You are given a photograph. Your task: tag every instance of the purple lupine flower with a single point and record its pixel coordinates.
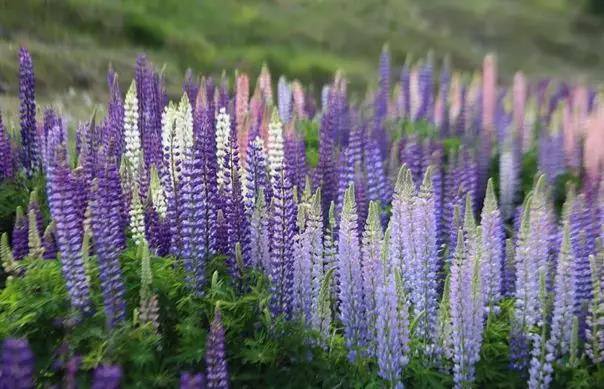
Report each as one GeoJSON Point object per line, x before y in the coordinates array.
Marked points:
{"type": "Point", "coordinates": [67, 210]}
{"type": "Point", "coordinates": [17, 364]}
{"type": "Point", "coordinates": [594, 334]}
{"type": "Point", "coordinates": [114, 121]}
{"type": "Point", "coordinates": [256, 174]}
{"type": "Point", "coordinates": [492, 248]}
{"type": "Point", "coordinates": [260, 234]}
{"type": "Point", "coordinates": [391, 330]}
{"type": "Point", "coordinates": [107, 377]}
{"type": "Point", "coordinates": [192, 381]}
{"type": "Point", "coordinates": [540, 366]}
{"type": "Point", "coordinates": [20, 238]}
{"type": "Point", "coordinates": [423, 259]}
{"type": "Point", "coordinates": [29, 139]}
{"type": "Point", "coordinates": [49, 242]}
{"type": "Point", "coordinates": [371, 265]}
{"type": "Point", "coordinates": [350, 282]}
{"type": "Point", "coordinates": [380, 103]}
{"type": "Point", "coordinates": [509, 274]}
{"type": "Point", "coordinates": [6, 150]}
{"type": "Point", "coordinates": [326, 168]}
{"type": "Point", "coordinates": [283, 223]}
{"type": "Point", "coordinates": [445, 81]}
{"type": "Point", "coordinates": [532, 259]}
{"type": "Point", "coordinates": [106, 230]}
{"type": "Point", "coordinates": [466, 303]}
{"type": "Point", "coordinates": [583, 244]}
{"type": "Point", "coordinates": [150, 107]}
{"type": "Point", "coordinates": [405, 93]}
{"type": "Point", "coordinates": [551, 155]}
{"type": "Point", "coordinates": [425, 85]}
{"type": "Point", "coordinates": [295, 159]}
{"type": "Point", "coordinates": [190, 86]}
{"type": "Point", "coordinates": [558, 344]}
{"type": "Point", "coordinates": [378, 186]}
{"type": "Point", "coordinates": [303, 263]}
{"type": "Point", "coordinates": [509, 175]}
{"type": "Point", "coordinates": [284, 100]}
{"type": "Point", "coordinates": [346, 176]}
{"type": "Point", "coordinates": [157, 231]}
{"type": "Point", "coordinates": [400, 221]}
{"type": "Point", "coordinates": [411, 154]}
{"type": "Point", "coordinates": [217, 373]}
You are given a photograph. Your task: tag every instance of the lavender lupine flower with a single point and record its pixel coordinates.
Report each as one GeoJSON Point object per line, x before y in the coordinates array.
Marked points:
{"type": "Point", "coordinates": [295, 163]}
{"type": "Point", "coordinates": [492, 246]}
{"type": "Point", "coordinates": [326, 168]}
{"type": "Point", "coordinates": [6, 150]}
{"type": "Point", "coordinates": [217, 374]}
{"type": "Point", "coordinates": [157, 228]}
{"type": "Point", "coordinates": [283, 222]}
{"type": "Point", "coordinates": [558, 344]}
{"type": "Point", "coordinates": [107, 377]}
{"type": "Point", "coordinates": [302, 271]}
{"type": "Point", "coordinates": [445, 81]}
{"type": "Point", "coordinates": [49, 242]}
{"type": "Point", "coordinates": [422, 257]}
{"type": "Point", "coordinates": [405, 93]}
{"type": "Point", "coordinates": [192, 381]}
{"type": "Point", "coordinates": [106, 230]}
{"type": "Point", "coordinates": [371, 264]}
{"type": "Point", "coordinates": [29, 138]}
{"type": "Point", "coordinates": [425, 109]}
{"type": "Point", "coordinates": [284, 95]}
{"type": "Point", "coordinates": [540, 367]}
{"type": "Point", "coordinates": [149, 108]}
{"type": "Point", "coordinates": [400, 221]}
{"type": "Point", "coordinates": [467, 304]}
{"type": "Point", "coordinates": [256, 177]}
{"type": "Point", "coordinates": [114, 121]}
{"type": "Point", "coordinates": [350, 282]}
{"type": "Point", "coordinates": [190, 86]}
{"type": "Point", "coordinates": [508, 177]}
{"type": "Point", "coordinates": [378, 187]}
{"type": "Point", "coordinates": [260, 234]}
{"type": "Point", "coordinates": [17, 364]}
{"type": "Point", "coordinates": [381, 103]}
{"type": "Point", "coordinates": [34, 240]}
{"type": "Point", "coordinates": [66, 208]}
{"type": "Point", "coordinates": [346, 176]}
{"type": "Point", "coordinates": [149, 305]}
{"type": "Point", "coordinates": [20, 236]}
{"type": "Point", "coordinates": [509, 273]}
{"type": "Point", "coordinates": [594, 334]}
{"type": "Point", "coordinates": [532, 260]}
{"type": "Point", "coordinates": [551, 155]}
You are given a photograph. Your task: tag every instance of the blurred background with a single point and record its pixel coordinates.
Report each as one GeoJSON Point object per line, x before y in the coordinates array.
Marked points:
{"type": "Point", "coordinates": [73, 41]}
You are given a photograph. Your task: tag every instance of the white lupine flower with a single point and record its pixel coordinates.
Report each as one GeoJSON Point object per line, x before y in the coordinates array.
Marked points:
{"type": "Point", "coordinates": [223, 133]}
{"type": "Point", "coordinates": [169, 142]}
{"type": "Point", "coordinates": [158, 196]}
{"type": "Point", "coordinates": [137, 220]}
{"type": "Point", "coordinates": [184, 125]}
{"type": "Point", "coordinates": [275, 146]}
{"type": "Point", "coordinates": [133, 154]}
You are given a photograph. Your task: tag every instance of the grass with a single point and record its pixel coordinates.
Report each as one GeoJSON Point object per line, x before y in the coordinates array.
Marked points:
{"type": "Point", "coordinates": [73, 41]}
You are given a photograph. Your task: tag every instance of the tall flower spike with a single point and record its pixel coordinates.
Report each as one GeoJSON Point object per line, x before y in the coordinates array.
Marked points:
{"type": "Point", "coordinates": [493, 250]}
{"type": "Point", "coordinates": [36, 250]}
{"type": "Point", "coordinates": [260, 234]}
{"type": "Point", "coordinates": [29, 138]}
{"type": "Point", "coordinates": [255, 175]}
{"type": "Point", "coordinates": [223, 133]}
{"type": "Point", "coordinates": [6, 256]}
{"type": "Point", "coordinates": [107, 377]}
{"type": "Point", "coordinates": [284, 95]}
{"type": "Point", "coordinates": [106, 231]}
{"type": "Point", "coordinates": [137, 219]}
{"type": "Point", "coordinates": [217, 373]}
{"type": "Point", "coordinates": [558, 344]}
{"type": "Point", "coordinates": [133, 157]}
{"type": "Point", "coordinates": [49, 242]}
{"type": "Point", "coordinates": [594, 335]}
{"type": "Point", "coordinates": [20, 235]}
{"type": "Point", "coordinates": [372, 242]}
{"type": "Point", "coordinates": [283, 222]}
{"type": "Point", "coordinates": [17, 363]}
{"type": "Point", "coordinates": [350, 282]}
{"type": "Point", "coordinates": [6, 150]}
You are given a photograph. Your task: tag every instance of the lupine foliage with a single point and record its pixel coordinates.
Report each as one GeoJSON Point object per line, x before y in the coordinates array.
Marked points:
{"type": "Point", "coordinates": [416, 238]}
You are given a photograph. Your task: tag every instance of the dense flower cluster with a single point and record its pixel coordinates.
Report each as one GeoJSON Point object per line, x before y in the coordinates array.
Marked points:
{"type": "Point", "coordinates": [397, 239]}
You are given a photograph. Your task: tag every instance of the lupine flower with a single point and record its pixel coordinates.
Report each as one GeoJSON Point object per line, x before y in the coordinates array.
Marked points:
{"type": "Point", "coordinates": [531, 259]}
{"type": "Point", "coordinates": [29, 139]}
{"type": "Point", "coordinates": [20, 236]}
{"type": "Point", "coordinates": [283, 222]}
{"type": "Point", "coordinates": [6, 150]}
{"type": "Point", "coordinates": [16, 365]}
{"type": "Point", "coordinates": [114, 121]}
{"type": "Point", "coordinates": [66, 208]}
{"type": "Point", "coordinates": [508, 177]}
{"type": "Point", "coordinates": [260, 234]}
{"type": "Point", "coordinates": [107, 377]}
{"type": "Point", "coordinates": [192, 381]}
{"type": "Point", "coordinates": [133, 157]}
{"type": "Point", "coordinates": [372, 242]}
{"type": "Point", "coordinates": [540, 367]}
{"type": "Point", "coordinates": [33, 237]}
{"type": "Point", "coordinates": [558, 343]}
{"type": "Point", "coordinates": [350, 288]}
{"type": "Point", "coordinates": [326, 168]}
{"type": "Point", "coordinates": [594, 335]}
{"type": "Point", "coordinates": [405, 94]}
{"type": "Point", "coordinates": [284, 102]}
{"type": "Point", "coordinates": [137, 219]}
{"type": "Point", "coordinates": [295, 163]}
{"type": "Point", "coordinates": [217, 373]}
{"type": "Point", "coordinates": [106, 230]}
{"type": "Point", "coordinates": [49, 242]}
{"type": "Point", "coordinates": [6, 256]}
{"type": "Point", "coordinates": [492, 246]}
{"type": "Point", "coordinates": [298, 97]}
{"type": "Point", "coordinates": [425, 86]}
{"type": "Point", "coordinates": [378, 187]}
{"type": "Point", "coordinates": [255, 175]}
{"type": "Point", "coordinates": [381, 102]}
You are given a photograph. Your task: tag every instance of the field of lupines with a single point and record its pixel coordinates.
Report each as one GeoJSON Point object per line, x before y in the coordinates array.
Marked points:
{"type": "Point", "coordinates": [444, 231]}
